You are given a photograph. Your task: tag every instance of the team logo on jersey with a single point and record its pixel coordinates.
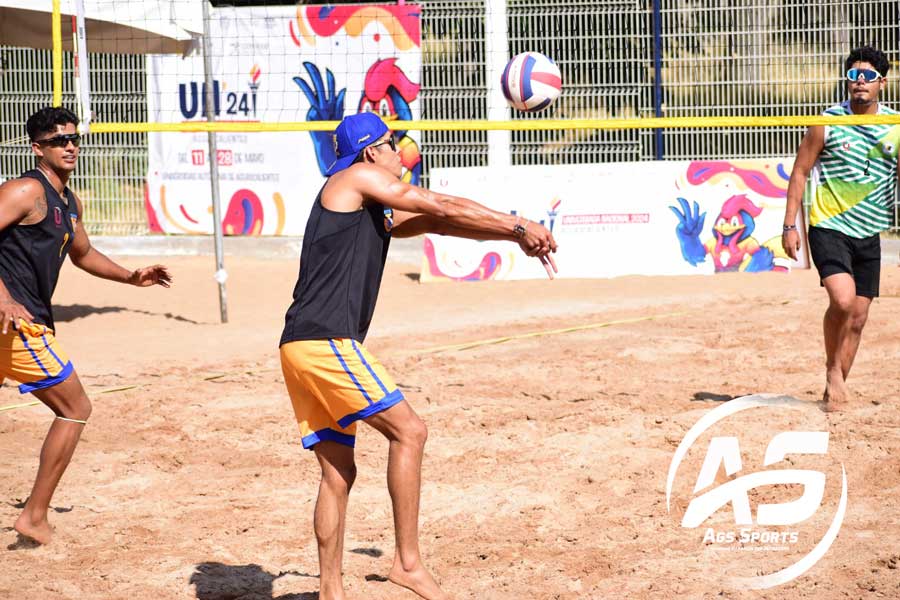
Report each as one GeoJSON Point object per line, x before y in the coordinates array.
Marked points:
{"type": "Point", "coordinates": [388, 219]}
{"type": "Point", "coordinates": [57, 216]}
{"type": "Point", "coordinates": [846, 146]}
{"type": "Point", "coordinates": [74, 219]}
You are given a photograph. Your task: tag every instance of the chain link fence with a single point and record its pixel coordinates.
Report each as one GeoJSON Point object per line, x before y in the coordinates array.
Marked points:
{"type": "Point", "coordinates": [712, 57]}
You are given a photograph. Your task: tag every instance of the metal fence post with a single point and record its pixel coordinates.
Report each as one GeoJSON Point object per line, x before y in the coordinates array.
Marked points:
{"type": "Point", "coordinates": [657, 76]}
{"type": "Point", "coordinates": [221, 275]}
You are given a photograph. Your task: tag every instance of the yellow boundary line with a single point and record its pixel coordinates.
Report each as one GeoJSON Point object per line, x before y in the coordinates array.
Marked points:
{"type": "Point", "coordinates": [500, 340]}
{"type": "Point", "coordinates": [106, 391]}
{"type": "Point", "coordinates": [14, 406]}
{"type": "Point", "coordinates": [518, 125]}
{"type": "Point", "coordinates": [434, 350]}
{"type": "Point", "coordinates": [123, 388]}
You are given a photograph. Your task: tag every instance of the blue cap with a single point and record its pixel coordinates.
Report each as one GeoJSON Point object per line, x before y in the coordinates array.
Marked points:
{"type": "Point", "coordinates": [353, 134]}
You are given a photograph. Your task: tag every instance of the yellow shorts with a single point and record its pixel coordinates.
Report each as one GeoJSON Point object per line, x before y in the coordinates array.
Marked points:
{"type": "Point", "coordinates": [334, 383]}
{"type": "Point", "coordinates": [33, 357]}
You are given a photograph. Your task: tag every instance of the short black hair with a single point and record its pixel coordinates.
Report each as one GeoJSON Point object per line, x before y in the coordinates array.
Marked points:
{"type": "Point", "coordinates": [871, 55]}
{"type": "Point", "coordinates": [47, 119]}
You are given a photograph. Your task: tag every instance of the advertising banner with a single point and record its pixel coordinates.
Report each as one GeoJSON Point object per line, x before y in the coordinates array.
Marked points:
{"type": "Point", "coordinates": [645, 218]}
{"type": "Point", "coordinates": [277, 64]}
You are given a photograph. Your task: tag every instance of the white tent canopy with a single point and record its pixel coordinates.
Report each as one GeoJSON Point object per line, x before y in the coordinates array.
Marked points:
{"type": "Point", "coordinates": [114, 26]}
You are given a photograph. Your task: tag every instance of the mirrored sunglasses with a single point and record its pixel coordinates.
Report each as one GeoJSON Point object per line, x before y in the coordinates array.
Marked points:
{"type": "Point", "coordinates": [868, 75]}
{"type": "Point", "coordinates": [61, 141]}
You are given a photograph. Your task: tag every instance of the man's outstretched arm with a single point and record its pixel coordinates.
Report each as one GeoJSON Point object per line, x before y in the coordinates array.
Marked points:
{"type": "Point", "coordinates": [89, 259]}
{"type": "Point", "coordinates": [375, 183]}
{"type": "Point", "coordinates": [408, 224]}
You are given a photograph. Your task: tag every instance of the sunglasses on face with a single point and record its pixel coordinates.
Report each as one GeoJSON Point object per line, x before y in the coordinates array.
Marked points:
{"type": "Point", "coordinates": [868, 75]}
{"type": "Point", "coordinates": [61, 141]}
{"type": "Point", "coordinates": [390, 141]}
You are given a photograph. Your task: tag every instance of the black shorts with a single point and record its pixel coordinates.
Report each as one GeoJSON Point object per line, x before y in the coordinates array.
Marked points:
{"type": "Point", "coordinates": [835, 252]}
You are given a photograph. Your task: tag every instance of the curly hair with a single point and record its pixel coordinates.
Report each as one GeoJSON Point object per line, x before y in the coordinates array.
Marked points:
{"type": "Point", "coordinates": [47, 119]}
{"type": "Point", "coordinates": [871, 55]}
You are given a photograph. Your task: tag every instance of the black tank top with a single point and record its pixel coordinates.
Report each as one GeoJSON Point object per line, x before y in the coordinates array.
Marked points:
{"type": "Point", "coordinates": [341, 264]}
{"type": "Point", "coordinates": [31, 255]}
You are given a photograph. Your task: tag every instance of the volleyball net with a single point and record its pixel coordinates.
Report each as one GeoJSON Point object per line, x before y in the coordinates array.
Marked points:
{"type": "Point", "coordinates": [663, 79]}
{"type": "Point", "coordinates": [290, 67]}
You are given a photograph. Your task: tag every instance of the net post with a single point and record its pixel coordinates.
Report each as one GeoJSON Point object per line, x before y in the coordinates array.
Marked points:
{"type": "Point", "coordinates": [220, 275]}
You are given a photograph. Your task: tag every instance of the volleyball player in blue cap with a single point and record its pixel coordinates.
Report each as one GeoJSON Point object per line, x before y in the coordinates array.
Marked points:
{"type": "Point", "coordinates": [333, 381]}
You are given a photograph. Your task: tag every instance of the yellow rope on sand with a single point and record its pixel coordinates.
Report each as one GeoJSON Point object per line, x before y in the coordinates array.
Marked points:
{"type": "Point", "coordinates": [12, 406]}
{"type": "Point", "coordinates": [500, 340]}
{"type": "Point", "coordinates": [124, 388]}
{"type": "Point", "coordinates": [435, 350]}
{"type": "Point", "coordinates": [106, 391]}
{"type": "Point", "coordinates": [121, 389]}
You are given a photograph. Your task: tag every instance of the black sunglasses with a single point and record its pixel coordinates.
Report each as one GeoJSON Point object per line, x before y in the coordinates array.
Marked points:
{"type": "Point", "coordinates": [390, 141]}
{"type": "Point", "coordinates": [61, 141]}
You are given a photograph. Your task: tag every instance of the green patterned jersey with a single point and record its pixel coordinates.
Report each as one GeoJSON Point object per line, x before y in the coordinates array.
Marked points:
{"type": "Point", "coordinates": [855, 178]}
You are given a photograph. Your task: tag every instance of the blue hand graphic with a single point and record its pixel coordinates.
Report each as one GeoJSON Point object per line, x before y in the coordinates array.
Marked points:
{"type": "Point", "coordinates": [763, 260]}
{"type": "Point", "coordinates": [324, 105]}
{"type": "Point", "coordinates": [690, 224]}
{"type": "Point", "coordinates": [416, 173]}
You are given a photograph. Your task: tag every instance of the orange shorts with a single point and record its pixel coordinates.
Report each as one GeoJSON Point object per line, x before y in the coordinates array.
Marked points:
{"type": "Point", "coordinates": [334, 383]}
{"type": "Point", "coordinates": [32, 356]}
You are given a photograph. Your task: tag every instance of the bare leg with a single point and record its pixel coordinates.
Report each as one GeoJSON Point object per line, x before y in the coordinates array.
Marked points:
{"type": "Point", "coordinates": [858, 318]}
{"type": "Point", "coordinates": [338, 474]}
{"type": "Point", "coordinates": [68, 400]}
{"type": "Point", "coordinates": [836, 325]}
{"type": "Point", "coordinates": [406, 433]}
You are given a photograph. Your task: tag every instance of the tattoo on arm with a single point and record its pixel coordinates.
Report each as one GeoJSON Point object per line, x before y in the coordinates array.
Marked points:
{"type": "Point", "coordinates": [40, 208]}
{"type": "Point", "coordinates": [37, 213]}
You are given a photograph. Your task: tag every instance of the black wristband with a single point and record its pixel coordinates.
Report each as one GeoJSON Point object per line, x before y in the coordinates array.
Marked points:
{"type": "Point", "coordinates": [789, 228]}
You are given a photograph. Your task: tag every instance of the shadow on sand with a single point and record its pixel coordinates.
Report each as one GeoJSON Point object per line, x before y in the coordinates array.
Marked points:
{"type": "Point", "coordinates": [217, 581]}
{"type": "Point", "coordinates": [64, 313]}
{"type": "Point", "coordinates": [22, 542]}
{"type": "Point", "coordinates": [712, 396]}
{"type": "Point", "coordinates": [17, 503]}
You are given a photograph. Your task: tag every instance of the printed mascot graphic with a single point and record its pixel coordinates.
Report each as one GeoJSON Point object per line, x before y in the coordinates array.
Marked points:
{"type": "Point", "coordinates": [732, 245]}
{"type": "Point", "coordinates": [387, 92]}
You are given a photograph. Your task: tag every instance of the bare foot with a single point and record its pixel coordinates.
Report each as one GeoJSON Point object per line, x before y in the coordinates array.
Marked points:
{"type": "Point", "coordinates": [40, 532]}
{"type": "Point", "coordinates": [418, 580]}
{"type": "Point", "coordinates": [335, 595]}
{"type": "Point", "coordinates": [836, 395]}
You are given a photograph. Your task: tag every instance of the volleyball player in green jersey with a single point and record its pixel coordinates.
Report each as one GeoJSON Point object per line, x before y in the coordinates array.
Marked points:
{"type": "Point", "coordinates": [855, 180]}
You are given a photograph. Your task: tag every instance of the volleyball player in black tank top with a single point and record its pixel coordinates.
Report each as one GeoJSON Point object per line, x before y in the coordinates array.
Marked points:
{"type": "Point", "coordinates": [333, 381]}
{"type": "Point", "coordinates": [40, 224]}
{"type": "Point", "coordinates": [31, 255]}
